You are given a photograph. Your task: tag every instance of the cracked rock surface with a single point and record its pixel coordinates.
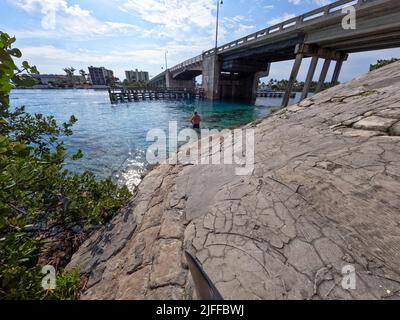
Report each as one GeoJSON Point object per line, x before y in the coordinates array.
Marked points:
{"type": "Point", "coordinates": [324, 193]}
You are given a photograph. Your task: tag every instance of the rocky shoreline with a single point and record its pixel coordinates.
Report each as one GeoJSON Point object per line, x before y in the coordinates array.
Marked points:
{"type": "Point", "coordinates": [325, 193]}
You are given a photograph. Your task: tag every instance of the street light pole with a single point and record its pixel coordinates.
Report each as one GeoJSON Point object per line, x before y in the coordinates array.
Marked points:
{"type": "Point", "coordinates": [166, 61]}
{"type": "Point", "coordinates": [216, 29]}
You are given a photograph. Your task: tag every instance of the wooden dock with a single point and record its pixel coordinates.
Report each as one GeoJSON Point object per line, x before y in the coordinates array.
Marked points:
{"type": "Point", "coordinates": [134, 95]}
{"type": "Point", "coordinates": [120, 95]}
{"type": "Point", "coordinates": [273, 94]}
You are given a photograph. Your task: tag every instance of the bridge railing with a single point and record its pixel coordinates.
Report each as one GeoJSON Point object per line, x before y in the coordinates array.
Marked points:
{"type": "Point", "coordinates": [328, 10]}
{"type": "Point", "coordinates": [188, 62]}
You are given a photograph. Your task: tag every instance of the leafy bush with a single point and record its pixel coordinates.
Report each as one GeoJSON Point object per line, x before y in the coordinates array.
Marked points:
{"type": "Point", "coordinates": [382, 63]}
{"type": "Point", "coordinates": [67, 285]}
{"type": "Point", "coordinates": [37, 194]}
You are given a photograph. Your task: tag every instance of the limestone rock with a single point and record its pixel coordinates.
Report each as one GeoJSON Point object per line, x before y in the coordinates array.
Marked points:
{"type": "Point", "coordinates": [324, 193]}
{"type": "Point", "coordinates": [395, 130]}
{"type": "Point", "coordinates": [167, 267]}
{"type": "Point", "coordinates": [375, 123]}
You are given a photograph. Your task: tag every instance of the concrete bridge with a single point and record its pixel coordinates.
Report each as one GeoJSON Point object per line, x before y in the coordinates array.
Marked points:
{"type": "Point", "coordinates": [232, 71]}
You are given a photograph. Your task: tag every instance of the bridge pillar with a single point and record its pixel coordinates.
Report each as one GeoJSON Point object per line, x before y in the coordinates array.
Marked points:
{"type": "Point", "coordinates": [293, 77]}
{"type": "Point", "coordinates": [211, 77]}
{"type": "Point", "coordinates": [256, 79]}
{"type": "Point", "coordinates": [322, 77]}
{"type": "Point", "coordinates": [338, 68]}
{"type": "Point", "coordinates": [315, 52]}
{"type": "Point", "coordinates": [240, 87]}
{"type": "Point", "coordinates": [336, 73]}
{"type": "Point", "coordinates": [310, 76]}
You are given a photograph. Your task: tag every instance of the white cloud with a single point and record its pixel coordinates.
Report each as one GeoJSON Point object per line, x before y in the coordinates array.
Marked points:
{"type": "Point", "coordinates": [58, 16]}
{"type": "Point", "coordinates": [317, 2]}
{"type": "Point", "coordinates": [269, 7]}
{"type": "Point", "coordinates": [284, 17]}
{"type": "Point", "coordinates": [186, 29]}
{"type": "Point", "coordinates": [50, 52]}
{"type": "Point", "coordinates": [185, 19]}
{"type": "Point", "coordinates": [48, 57]}
{"type": "Point", "coordinates": [173, 14]}
{"type": "Point", "coordinates": [237, 26]}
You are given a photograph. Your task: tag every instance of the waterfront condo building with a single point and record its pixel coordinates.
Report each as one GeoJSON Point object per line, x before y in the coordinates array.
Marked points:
{"type": "Point", "coordinates": [99, 76]}
{"type": "Point", "coordinates": [135, 76]}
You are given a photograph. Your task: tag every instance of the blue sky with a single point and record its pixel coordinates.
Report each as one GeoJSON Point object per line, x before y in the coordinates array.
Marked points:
{"type": "Point", "coordinates": [128, 34]}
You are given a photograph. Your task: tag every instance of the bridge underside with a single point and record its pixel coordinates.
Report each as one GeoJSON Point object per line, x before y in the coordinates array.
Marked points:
{"type": "Point", "coordinates": [240, 72]}
{"type": "Point", "coordinates": [188, 75]}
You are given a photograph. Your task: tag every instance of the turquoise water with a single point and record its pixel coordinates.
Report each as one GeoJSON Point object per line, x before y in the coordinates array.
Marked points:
{"type": "Point", "coordinates": [113, 137]}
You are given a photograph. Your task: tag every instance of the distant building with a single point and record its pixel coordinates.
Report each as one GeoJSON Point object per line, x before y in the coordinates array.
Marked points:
{"type": "Point", "coordinates": [135, 76]}
{"type": "Point", "coordinates": [57, 80]}
{"type": "Point", "coordinates": [50, 79]}
{"type": "Point", "coordinates": [99, 76]}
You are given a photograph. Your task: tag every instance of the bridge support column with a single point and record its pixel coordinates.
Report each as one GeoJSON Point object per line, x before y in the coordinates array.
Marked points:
{"type": "Point", "coordinates": [211, 77]}
{"type": "Point", "coordinates": [256, 79]}
{"type": "Point", "coordinates": [336, 73]}
{"type": "Point", "coordinates": [315, 52]}
{"type": "Point", "coordinates": [310, 76]}
{"type": "Point", "coordinates": [242, 87]}
{"type": "Point", "coordinates": [322, 77]}
{"type": "Point", "coordinates": [293, 77]}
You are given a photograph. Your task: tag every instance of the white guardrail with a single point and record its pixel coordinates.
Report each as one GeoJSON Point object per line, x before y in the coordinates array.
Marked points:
{"type": "Point", "coordinates": [319, 13]}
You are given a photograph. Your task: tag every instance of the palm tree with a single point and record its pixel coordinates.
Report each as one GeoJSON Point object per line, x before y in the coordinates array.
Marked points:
{"type": "Point", "coordinates": [70, 75]}
{"type": "Point", "coordinates": [69, 71]}
{"type": "Point", "coordinates": [83, 74]}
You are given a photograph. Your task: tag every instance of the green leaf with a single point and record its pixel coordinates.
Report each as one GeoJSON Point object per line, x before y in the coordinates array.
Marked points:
{"type": "Point", "coordinates": [24, 80]}
{"type": "Point", "coordinates": [34, 70]}
{"type": "Point", "coordinates": [15, 53]}
{"type": "Point", "coordinates": [78, 155]}
{"type": "Point", "coordinates": [26, 65]}
{"type": "Point", "coordinates": [5, 87]}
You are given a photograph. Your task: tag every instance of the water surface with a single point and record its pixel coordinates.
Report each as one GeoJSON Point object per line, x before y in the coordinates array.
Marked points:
{"type": "Point", "coordinates": [113, 136]}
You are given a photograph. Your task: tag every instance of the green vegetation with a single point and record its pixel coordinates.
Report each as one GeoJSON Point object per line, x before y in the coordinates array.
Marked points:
{"type": "Point", "coordinates": [67, 286]}
{"type": "Point", "coordinates": [38, 196]}
{"type": "Point", "coordinates": [70, 76]}
{"type": "Point", "coordinates": [84, 75]}
{"type": "Point", "coordinates": [281, 85]}
{"type": "Point", "coordinates": [134, 84]}
{"type": "Point", "coordinates": [368, 93]}
{"type": "Point", "coordinates": [382, 63]}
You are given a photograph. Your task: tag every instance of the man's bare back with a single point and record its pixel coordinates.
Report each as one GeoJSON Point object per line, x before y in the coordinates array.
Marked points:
{"type": "Point", "coordinates": [196, 120]}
